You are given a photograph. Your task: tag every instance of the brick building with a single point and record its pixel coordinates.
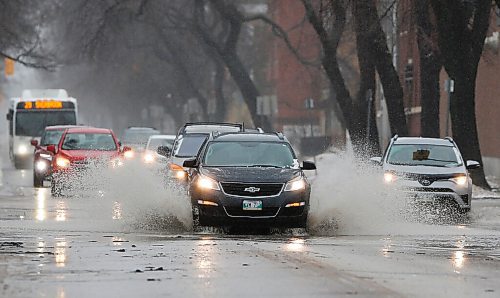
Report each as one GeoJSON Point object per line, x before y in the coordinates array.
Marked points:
{"type": "Point", "coordinates": [487, 86]}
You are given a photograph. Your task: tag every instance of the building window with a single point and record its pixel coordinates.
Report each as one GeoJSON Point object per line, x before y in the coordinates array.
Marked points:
{"type": "Point", "coordinates": [409, 83]}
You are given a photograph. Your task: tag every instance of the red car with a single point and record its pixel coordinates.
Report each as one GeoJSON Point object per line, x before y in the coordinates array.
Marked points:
{"type": "Point", "coordinates": [42, 161]}
{"type": "Point", "coordinates": [78, 149]}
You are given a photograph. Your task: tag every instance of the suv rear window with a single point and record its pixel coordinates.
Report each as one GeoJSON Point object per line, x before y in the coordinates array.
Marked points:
{"type": "Point", "coordinates": [189, 145]}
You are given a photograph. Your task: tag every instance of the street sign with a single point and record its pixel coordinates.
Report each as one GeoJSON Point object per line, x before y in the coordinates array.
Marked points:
{"type": "Point", "coordinates": [9, 67]}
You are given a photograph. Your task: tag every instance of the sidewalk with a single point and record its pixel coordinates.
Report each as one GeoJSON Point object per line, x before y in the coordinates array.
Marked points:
{"type": "Point", "coordinates": [480, 193]}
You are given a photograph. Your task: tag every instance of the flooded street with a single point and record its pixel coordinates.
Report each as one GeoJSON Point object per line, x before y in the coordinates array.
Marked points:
{"type": "Point", "coordinates": [129, 242]}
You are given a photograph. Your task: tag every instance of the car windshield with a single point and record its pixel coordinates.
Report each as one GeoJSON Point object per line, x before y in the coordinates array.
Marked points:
{"type": "Point", "coordinates": [138, 138]}
{"type": "Point", "coordinates": [249, 154]}
{"type": "Point", "coordinates": [89, 141]}
{"type": "Point", "coordinates": [424, 155]}
{"type": "Point", "coordinates": [51, 137]}
{"type": "Point", "coordinates": [189, 145]}
{"type": "Point", "coordinates": [33, 123]}
{"type": "Point", "coordinates": [157, 142]}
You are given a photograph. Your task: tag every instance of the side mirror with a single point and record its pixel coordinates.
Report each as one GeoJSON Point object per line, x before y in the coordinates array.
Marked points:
{"type": "Point", "coordinates": [119, 143]}
{"type": "Point", "coordinates": [307, 165]}
{"type": "Point", "coordinates": [8, 116]}
{"type": "Point", "coordinates": [376, 160]}
{"type": "Point", "coordinates": [190, 163]}
{"type": "Point", "coordinates": [164, 150]}
{"type": "Point", "coordinates": [472, 164]}
{"type": "Point", "coordinates": [34, 143]}
{"type": "Point", "coordinates": [51, 148]}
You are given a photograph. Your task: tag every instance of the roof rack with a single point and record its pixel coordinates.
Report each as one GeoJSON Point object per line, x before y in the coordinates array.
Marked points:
{"type": "Point", "coordinates": [449, 139]}
{"type": "Point", "coordinates": [395, 137]}
{"type": "Point", "coordinates": [280, 135]}
{"type": "Point", "coordinates": [240, 125]}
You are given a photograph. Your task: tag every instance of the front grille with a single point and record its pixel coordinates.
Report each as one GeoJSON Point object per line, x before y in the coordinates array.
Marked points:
{"type": "Point", "coordinates": [428, 189]}
{"type": "Point", "coordinates": [265, 212]}
{"type": "Point", "coordinates": [252, 189]}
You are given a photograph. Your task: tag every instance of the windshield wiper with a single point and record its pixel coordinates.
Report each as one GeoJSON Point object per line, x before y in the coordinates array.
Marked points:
{"type": "Point", "coordinates": [264, 166]}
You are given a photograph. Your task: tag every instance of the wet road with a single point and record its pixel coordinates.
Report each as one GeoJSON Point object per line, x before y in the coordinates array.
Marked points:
{"type": "Point", "coordinates": [135, 241]}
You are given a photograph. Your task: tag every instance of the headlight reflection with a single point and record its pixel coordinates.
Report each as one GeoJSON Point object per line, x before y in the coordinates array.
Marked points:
{"type": "Point", "coordinates": [41, 212]}
{"type": "Point", "coordinates": [204, 257]}
{"type": "Point", "coordinates": [60, 252]}
{"type": "Point", "coordinates": [296, 245]}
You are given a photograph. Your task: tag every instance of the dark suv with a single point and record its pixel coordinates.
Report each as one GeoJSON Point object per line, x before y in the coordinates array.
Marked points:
{"type": "Point", "coordinates": [249, 178]}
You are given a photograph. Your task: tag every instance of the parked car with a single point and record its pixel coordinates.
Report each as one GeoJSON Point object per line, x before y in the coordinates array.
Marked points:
{"type": "Point", "coordinates": [429, 170]}
{"type": "Point", "coordinates": [137, 138]}
{"type": "Point", "coordinates": [42, 162]}
{"type": "Point", "coordinates": [249, 178]}
{"type": "Point", "coordinates": [150, 154]}
{"type": "Point", "coordinates": [188, 142]}
{"type": "Point", "coordinates": [79, 149]}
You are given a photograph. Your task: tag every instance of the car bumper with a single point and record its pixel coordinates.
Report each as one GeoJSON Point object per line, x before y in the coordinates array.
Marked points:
{"type": "Point", "coordinates": [439, 191]}
{"type": "Point", "coordinates": [229, 209]}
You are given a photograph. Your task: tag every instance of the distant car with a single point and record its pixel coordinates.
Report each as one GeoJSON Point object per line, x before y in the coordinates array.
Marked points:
{"type": "Point", "coordinates": [42, 162]}
{"type": "Point", "coordinates": [249, 178]}
{"type": "Point", "coordinates": [150, 154]}
{"type": "Point", "coordinates": [188, 142]}
{"type": "Point", "coordinates": [429, 170]}
{"type": "Point", "coordinates": [137, 138]}
{"type": "Point", "coordinates": [78, 149]}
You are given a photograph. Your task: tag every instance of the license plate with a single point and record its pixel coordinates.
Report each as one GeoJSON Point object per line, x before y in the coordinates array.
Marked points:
{"type": "Point", "coordinates": [252, 205]}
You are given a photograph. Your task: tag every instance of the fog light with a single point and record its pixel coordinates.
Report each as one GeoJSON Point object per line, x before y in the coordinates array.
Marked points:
{"type": "Point", "coordinates": [296, 204]}
{"type": "Point", "coordinates": [207, 203]}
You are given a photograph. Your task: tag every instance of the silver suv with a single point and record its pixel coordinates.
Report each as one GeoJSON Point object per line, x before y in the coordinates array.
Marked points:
{"type": "Point", "coordinates": [428, 169]}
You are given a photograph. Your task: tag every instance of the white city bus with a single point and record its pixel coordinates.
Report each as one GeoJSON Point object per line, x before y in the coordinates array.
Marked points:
{"type": "Point", "coordinates": [30, 114]}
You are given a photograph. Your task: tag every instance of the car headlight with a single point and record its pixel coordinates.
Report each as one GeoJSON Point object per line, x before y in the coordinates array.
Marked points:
{"type": "Point", "coordinates": [62, 162]}
{"type": "Point", "coordinates": [296, 184]}
{"type": "Point", "coordinates": [389, 177]}
{"type": "Point", "coordinates": [22, 149]}
{"type": "Point", "coordinates": [460, 180]}
{"type": "Point", "coordinates": [128, 154]}
{"type": "Point", "coordinates": [41, 166]}
{"type": "Point", "coordinates": [207, 183]}
{"type": "Point", "coordinates": [149, 158]}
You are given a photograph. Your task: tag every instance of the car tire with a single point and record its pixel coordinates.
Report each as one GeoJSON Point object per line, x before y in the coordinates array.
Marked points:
{"type": "Point", "coordinates": [37, 181]}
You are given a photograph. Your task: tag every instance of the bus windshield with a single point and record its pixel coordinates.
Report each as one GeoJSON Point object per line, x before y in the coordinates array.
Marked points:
{"type": "Point", "coordinates": [30, 123]}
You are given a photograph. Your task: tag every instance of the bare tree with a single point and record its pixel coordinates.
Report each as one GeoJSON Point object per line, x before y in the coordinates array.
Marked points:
{"type": "Point", "coordinates": [20, 33]}
{"type": "Point", "coordinates": [430, 67]}
{"type": "Point", "coordinates": [462, 27]}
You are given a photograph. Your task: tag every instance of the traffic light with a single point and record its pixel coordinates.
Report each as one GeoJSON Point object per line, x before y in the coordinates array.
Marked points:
{"type": "Point", "coordinates": [8, 67]}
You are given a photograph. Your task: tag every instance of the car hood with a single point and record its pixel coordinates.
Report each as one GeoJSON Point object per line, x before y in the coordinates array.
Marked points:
{"type": "Point", "coordinates": [256, 175]}
{"type": "Point", "coordinates": [424, 170]}
{"type": "Point", "coordinates": [86, 154]}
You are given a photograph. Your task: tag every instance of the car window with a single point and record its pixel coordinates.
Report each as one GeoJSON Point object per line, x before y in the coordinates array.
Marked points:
{"type": "Point", "coordinates": [189, 145]}
{"type": "Point", "coordinates": [423, 155]}
{"type": "Point", "coordinates": [155, 143]}
{"type": "Point", "coordinates": [247, 154]}
{"type": "Point", "coordinates": [89, 141]}
{"type": "Point", "coordinates": [51, 137]}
